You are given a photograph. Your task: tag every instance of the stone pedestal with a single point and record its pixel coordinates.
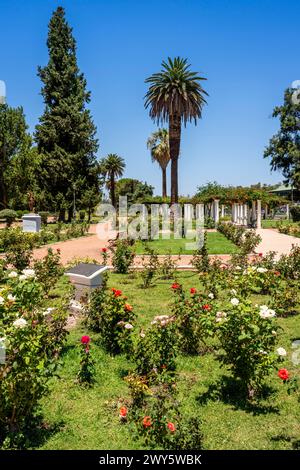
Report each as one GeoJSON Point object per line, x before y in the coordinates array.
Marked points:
{"type": "Point", "coordinates": [85, 277]}
{"type": "Point", "coordinates": [31, 223]}
{"type": "Point", "coordinates": [287, 211]}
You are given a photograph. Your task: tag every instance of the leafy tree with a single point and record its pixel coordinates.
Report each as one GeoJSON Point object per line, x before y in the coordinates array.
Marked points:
{"type": "Point", "coordinates": [14, 140]}
{"type": "Point", "coordinates": [113, 167]}
{"type": "Point", "coordinates": [135, 190]}
{"type": "Point", "coordinates": [284, 147]}
{"type": "Point", "coordinates": [175, 96]}
{"type": "Point", "coordinates": [158, 143]}
{"type": "Point", "coordinates": [66, 133]}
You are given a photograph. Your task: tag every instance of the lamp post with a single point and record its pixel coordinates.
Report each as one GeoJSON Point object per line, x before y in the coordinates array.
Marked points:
{"type": "Point", "coordinates": [74, 201]}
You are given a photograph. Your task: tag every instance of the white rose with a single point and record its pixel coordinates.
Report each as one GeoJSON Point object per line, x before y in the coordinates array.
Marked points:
{"type": "Point", "coordinates": [2, 300]}
{"type": "Point", "coordinates": [28, 273]}
{"type": "Point", "coordinates": [20, 323]}
{"type": "Point", "coordinates": [238, 268]}
{"type": "Point", "coordinates": [281, 352]}
{"type": "Point", "coordinates": [11, 298]}
{"type": "Point", "coordinates": [128, 326]}
{"type": "Point", "coordinates": [13, 274]}
{"type": "Point", "coordinates": [211, 295]}
{"type": "Point", "coordinates": [22, 277]}
{"type": "Point", "coordinates": [220, 316]}
{"type": "Point", "coordinates": [233, 292]}
{"type": "Point", "coordinates": [235, 301]}
{"type": "Point", "coordinates": [262, 270]}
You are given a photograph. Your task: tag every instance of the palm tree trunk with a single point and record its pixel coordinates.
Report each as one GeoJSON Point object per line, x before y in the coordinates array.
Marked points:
{"type": "Point", "coordinates": [174, 142]}
{"type": "Point", "coordinates": [164, 182]}
{"type": "Point", "coordinates": [112, 190]}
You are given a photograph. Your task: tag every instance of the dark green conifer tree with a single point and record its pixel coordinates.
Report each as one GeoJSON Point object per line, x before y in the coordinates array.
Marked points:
{"type": "Point", "coordinates": [66, 133]}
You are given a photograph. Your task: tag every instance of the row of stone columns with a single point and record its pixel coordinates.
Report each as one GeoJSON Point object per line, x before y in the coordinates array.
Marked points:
{"type": "Point", "coordinates": [243, 215]}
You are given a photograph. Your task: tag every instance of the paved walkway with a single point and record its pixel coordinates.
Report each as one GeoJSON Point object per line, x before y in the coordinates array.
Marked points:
{"type": "Point", "coordinates": [90, 247]}
{"type": "Point", "coordinates": [275, 241]}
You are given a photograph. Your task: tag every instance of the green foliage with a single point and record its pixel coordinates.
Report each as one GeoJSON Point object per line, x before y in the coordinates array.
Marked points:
{"type": "Point", "coordinates": [18, 247]}
{"type": "Point", "coordinates": [113, 318]}
{"type": "Point", "coordinates": [44, 217]}
{"type": "Point", "coordinates": [195, 319]}
{"type": "Point", "coordinates": [86, 374]}
{"type": "Point", "coordinates": [31, 355]}
{"type": "Point", "coordinates": [112, 167]}
{"type": "Point", "coordinates": [200, 260]}
{"type": "Point", "coordinates": [14, 141]}
{"type": "Point", "coordinates": [248, 336]}
{"type": "Point", "coordinates": [48, 270]}
{"type": "Point", "coordinates": [123, 256]}
{"type": "Point", "coordinates": [9, 216]}
{"type": "Point", "coordinates": [284, 147]}
{"type": "Point", "coordinates": [157, 349]}
{"type": "Point", "coordinates": [81, 215]}
{"type": "Point", "coordinates": [65, 134]}
{"type": "Point", "coordinates": [150, 267]}
{"type": "Point", "coordinates": [295, 213]}
{"type": "Point", "coordinates": [289, 265]}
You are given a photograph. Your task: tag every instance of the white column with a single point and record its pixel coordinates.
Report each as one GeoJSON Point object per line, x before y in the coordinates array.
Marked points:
{"type": "Point", "coordinates": [200, 211]}
{"type": "Point", "coordinates": [287, 211]}
{"type": "Point", "coordinates": [258, 212]}
{"type": "Point", "coordinates": [216, 211]}
{"type": "Point", "coordinates": [245, 221]}
{"type": "Point", "coordinates": [222, 210]}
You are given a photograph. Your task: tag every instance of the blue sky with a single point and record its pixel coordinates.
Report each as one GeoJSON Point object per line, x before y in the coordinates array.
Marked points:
{"type": "Point", "coordinates": [247, 50]}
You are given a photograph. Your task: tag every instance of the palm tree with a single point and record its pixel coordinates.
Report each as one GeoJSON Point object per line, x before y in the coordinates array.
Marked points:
{"type": "Point", "coordinates": [175, 95]}
{"type": "Point", "coordinates": [158, 143]}
{"type": "Point", "coordinates": [112, 167]}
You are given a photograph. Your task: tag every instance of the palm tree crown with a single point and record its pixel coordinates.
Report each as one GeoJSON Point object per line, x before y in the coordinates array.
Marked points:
{"type": "Point", "coordinates": [175, 91]}
{"type": "Point", "coordinates": [158, 144]}
{"type": "Point", "coordinates": [112, 167]}
{"type": "Point", "coordinates": [175, 95]}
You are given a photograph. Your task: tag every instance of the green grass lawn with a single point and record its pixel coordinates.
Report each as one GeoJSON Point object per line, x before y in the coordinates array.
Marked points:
{"type": "Point", "coordinates": [271, 223]}
{"type": "Point", "coordinates": [217, 244]}
{"type": "Point", "coordinates": [78, 418]}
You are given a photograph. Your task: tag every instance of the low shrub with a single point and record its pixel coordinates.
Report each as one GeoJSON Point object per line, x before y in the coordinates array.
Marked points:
{"type": "Point", "coordinates": [86, 374]}
{"type": "Point", "coordinates": [248, 336]}
{"type": "Point", "coordinates": [122, 256]}
{"type": "Point", "coordinates": [194, 318]}
{"type": "Point", "coordinates": [9, 216]}
{"type": "Point", "coordinates": [48, 270]}
{"type": "Point", "coordinates": [295, 213]}
{"type": "Point", "coordinates": [44, 217]}
{"type": "Point", "coordinates": [113, 318]}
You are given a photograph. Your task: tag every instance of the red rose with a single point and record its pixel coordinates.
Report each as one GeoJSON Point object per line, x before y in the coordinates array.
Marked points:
{"type": "Point", "coordinates": [117, 292]}
{"type": "Point", "coordinates": [283, 374]}
{"type": "Point", "coordinates": [85, 339]}
{"type": "Point", "coordinates": [104, 250]}
{"type": "Point", "coordinates": [193, 290]}
{"type": "Point", "coordinates": [147, 422]}
{"type": "Point", "coordinates": [206, 307]}
{"type": "Point", "coordinates": [277, 273]}
{"type": "Point", "coordinates": [123, 412]}
{"type": "Point", "coordinates": [175, 286]}
{"type": "Point", "coordinates": [128, 307]}
{"type": "Point", "coordinates": [171, 426]}
{"type": "Point", "coordinates": [260, 255]}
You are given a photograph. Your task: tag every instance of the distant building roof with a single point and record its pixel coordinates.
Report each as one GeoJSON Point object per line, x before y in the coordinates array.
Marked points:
{"type": "Point", "coordinates": [283, 189]}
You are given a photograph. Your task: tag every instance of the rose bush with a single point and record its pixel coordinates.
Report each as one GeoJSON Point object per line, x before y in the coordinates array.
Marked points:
{"type": "Point", "coordinates": [248, 336]}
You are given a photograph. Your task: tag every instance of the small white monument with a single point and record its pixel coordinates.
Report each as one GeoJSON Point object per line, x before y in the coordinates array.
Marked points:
{"type": "Point", "coordinates": [31, 223]}
{"type": "Point", "coordinates": [85, 277]}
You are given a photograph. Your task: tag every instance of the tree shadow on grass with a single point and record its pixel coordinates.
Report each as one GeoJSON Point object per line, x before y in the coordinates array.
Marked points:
{"type": "Point", "coordinates": [33, 435]}
{"type": "Point", "coordinates": [295, 443]}
{"type": "Point", "coordinates": [232, 392]}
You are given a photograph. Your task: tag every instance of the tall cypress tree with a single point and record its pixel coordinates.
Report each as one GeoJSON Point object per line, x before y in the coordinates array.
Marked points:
{"type": "Point", "coordinates": [66, 133]}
